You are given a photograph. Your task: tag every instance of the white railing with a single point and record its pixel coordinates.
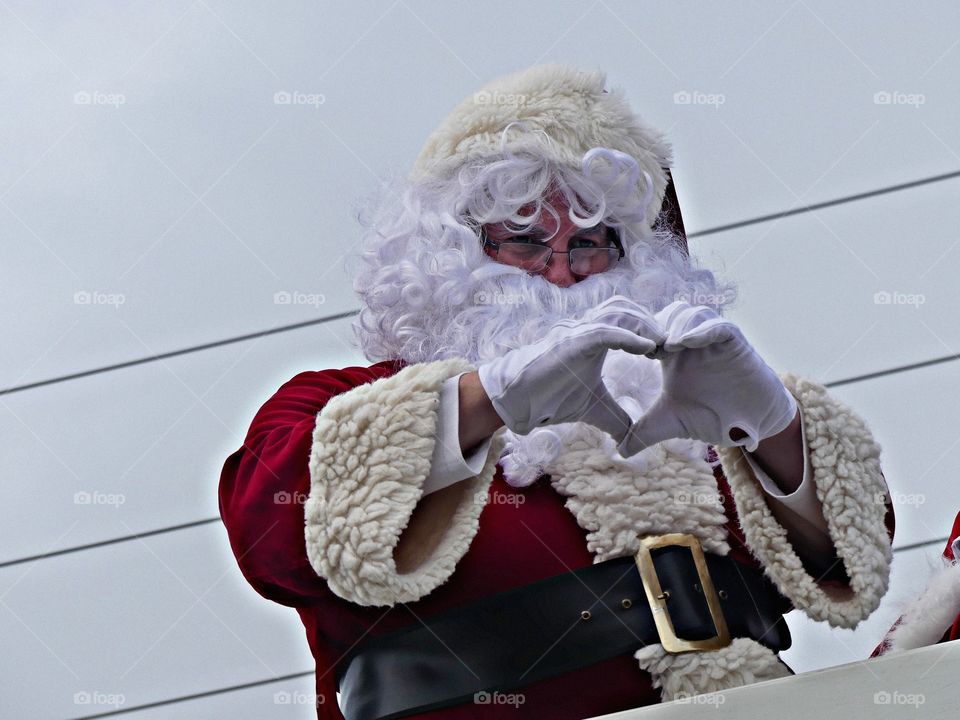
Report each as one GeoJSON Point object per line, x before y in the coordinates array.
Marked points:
{"type": "Point", "coordinates": [923, 684]}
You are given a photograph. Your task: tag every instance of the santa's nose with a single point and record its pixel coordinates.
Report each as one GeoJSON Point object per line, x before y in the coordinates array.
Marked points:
{"type": "Point", "coordinates": [558, 271]}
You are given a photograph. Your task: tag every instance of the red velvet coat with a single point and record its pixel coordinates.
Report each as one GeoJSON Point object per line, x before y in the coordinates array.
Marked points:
{"type": "Point", "coordinates": [267, 538]}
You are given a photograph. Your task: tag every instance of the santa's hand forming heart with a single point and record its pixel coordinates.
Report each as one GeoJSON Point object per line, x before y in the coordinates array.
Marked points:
{"type": "Point", "coordinates": [713, 381]}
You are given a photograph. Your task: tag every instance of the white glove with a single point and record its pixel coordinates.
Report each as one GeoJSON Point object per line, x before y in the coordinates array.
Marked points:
{"type": "Point", "coordinates": [557, 379]}
{"type": "Point", "coordinates": [713, 380]}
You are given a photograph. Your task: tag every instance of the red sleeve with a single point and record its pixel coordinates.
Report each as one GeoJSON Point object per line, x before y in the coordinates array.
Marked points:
{"type": "Point", "coordinates": [264, 484]}
{"type": "Point", "coordinates": [953, 632]}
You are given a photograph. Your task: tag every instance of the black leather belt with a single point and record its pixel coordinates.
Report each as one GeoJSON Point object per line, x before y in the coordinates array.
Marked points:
{"type": "Point", "coordinates": [699, 601]}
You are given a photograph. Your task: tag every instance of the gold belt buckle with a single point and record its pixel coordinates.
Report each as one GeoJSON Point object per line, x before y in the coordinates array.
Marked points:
{"type": "Point", "coordinates": [658, 599]}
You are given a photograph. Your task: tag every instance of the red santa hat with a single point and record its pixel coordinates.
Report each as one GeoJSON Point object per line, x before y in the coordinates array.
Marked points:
{"type": "Point", "coordinates": [570, 109]}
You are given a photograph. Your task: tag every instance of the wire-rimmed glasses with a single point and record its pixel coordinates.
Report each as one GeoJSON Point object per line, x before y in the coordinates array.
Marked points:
{"type": "Point", "coordinates": [534, 257]}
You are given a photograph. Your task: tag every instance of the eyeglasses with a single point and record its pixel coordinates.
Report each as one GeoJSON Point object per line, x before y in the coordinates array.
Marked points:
{"type": "Point", "coordinates": [534, 257]}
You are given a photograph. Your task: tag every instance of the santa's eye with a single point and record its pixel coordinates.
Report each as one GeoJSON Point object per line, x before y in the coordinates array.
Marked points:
{"type": "Point", "coordinates": [590, 242]}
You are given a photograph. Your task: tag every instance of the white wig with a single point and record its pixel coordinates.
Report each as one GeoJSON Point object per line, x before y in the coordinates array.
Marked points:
{"type": "Point", "coordinates": [428, 291]}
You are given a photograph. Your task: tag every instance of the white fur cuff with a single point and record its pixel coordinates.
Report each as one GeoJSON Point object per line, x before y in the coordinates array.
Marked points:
{"type": "Point", "coordinates": [929, 616]}
{"type": "Point", "coordinates": [845, 461]}
{"type": "Point", "coordinates": [682, 675]}
{"type": "Point", "coordinates": [371, 452]}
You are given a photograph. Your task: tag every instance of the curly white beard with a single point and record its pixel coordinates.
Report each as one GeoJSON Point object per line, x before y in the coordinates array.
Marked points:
{"type": "Point", "coordinates": [514, 309]}
{"type": "Point", "coordinates": [484, 311]}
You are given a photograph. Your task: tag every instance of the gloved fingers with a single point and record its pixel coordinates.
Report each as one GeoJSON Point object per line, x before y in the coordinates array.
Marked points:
{"type": "Point", "coordinates": [567, 323]}
{"type": "Point", "coordinates": [686, 317]}
{"type": "Point", "coordinates": [606, 413]}
{"type": "Point", "coordinates": [639, 322]}
{"type": "Point", "coordinates": [590, 316]}
{"type": "Point", "coordinates": [658, 424]}
{"type": "Point", "coordinates": [623, 312]}
{"type": "Point", "coordinates": [713, 330]}
{"type": "Point", "coordinates": [658, 353]}
{"type": "Point", "coordinates": [596, 337]}
{"type": "Point", "coordinates": [667, 315]}
{"type": "Point", "coordinates": [616, 302]}
{"type": "Point", "coordinates": [616, 311]}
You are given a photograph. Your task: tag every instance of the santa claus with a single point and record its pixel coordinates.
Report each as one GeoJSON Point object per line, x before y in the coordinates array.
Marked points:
{"type": "Point", "coordinates": [566, 485]}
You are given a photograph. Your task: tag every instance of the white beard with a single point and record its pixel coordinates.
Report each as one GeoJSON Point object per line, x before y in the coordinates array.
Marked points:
{"type": "Point", "coordinates": [517, 309]}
